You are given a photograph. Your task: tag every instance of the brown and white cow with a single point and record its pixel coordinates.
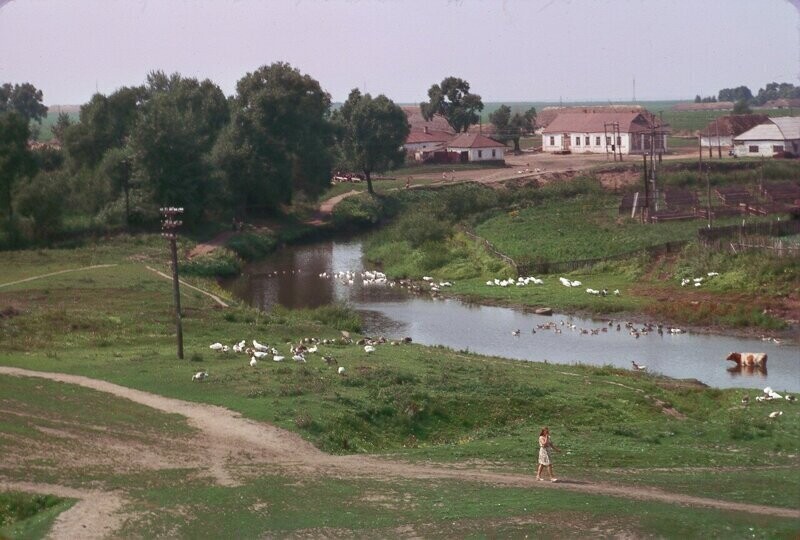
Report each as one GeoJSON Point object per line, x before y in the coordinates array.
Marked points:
{"type": "Point", "coordinates": [748, 359]}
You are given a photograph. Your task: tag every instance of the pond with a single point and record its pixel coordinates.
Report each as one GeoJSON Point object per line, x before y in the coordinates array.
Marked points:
{"type": "Point", "coordinates": [292, 278]}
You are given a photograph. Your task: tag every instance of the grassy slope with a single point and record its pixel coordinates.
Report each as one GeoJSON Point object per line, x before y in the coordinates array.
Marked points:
{"type": "Point", "coordinates": [422, 403]}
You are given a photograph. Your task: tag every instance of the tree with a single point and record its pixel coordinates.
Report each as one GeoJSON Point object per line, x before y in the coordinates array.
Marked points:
{"type": "Point", "coordinates": [25, 99]}
{"type": "Point", "coordinates": [736, 94]}
{"type": "Point", "coordinates": [453, 100]}
{"type": "Point", "coordinates": [16, 160]}
{"type": "Point", "coordinates": [42, 201]}
{"type": "Point", "coordinates": [372, 133]}
{"type": "Point", "coordinates": [775, 90]}
{"type": "Point", "coordinates": [105, 122]}
{"type": "Point", "coordinates": [60, 126]}
{"type": "Point", "coordinates": [116, 169]}
{"type": "Point", "coordinates": [511, 128]}
{"type": "Point", "coordinates": [741, 107]}
{"type": "Point", "coordinates": [171, 142]}
{"type": "Point", "coordinates": [279, 138]}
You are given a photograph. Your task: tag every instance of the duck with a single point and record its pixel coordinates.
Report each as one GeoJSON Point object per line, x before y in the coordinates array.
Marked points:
{"type": "Point", "coordinates": [259, 347]}
{"type": "Point", "coordinates": [775, 414]}
{"type": "Point", "coordinates": [515, 332]}
{"type": "Point", "coordinates": [638, 367]}
{"type": "Point", "coordinates": [200, 376]}
{"type": "Point", "coordinates": [278, 358]}
{"type": "Point", "coordinates": [216, 346]}
{"type": "Point", "coordinates": [253, 362]}
{"type": "Point", "coordinates": [369, 349]}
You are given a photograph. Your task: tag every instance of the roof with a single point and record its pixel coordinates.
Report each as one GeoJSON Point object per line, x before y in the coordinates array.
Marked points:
{"type": "Point", "coordinates": [474, 140]}
{"type": "Point", "coordinates": [781, 128]}
{"type": "Point", "coordinates": [732, 125]}
{"type": "Point", "coordinates": [548, 114]}
{"type": "Point", "coordinates": [418, 136]}
{"type": "Point", "coordinates": [418, 122]}
{"type": "Point", "coordinates": [595, 122]}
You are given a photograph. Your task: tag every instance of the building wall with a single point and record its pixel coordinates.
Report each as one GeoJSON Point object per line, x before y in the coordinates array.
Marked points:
{"type": "Point", "coordinates": [413, 147]}
{"type": "Point", "coordinates": [597, 143]}
{"type": "Point", "coordinates": [481, 154]}
{"type": "Point", "coordinates": [764, 148]}
{"type": "Point", "coordinates": [724, 141]}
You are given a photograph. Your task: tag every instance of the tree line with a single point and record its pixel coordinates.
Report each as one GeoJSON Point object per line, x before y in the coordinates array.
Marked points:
{"type": "Point", "coordinates": [743, 97]}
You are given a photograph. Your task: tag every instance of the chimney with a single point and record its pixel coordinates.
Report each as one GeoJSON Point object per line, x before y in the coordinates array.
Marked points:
{"type": "Point", "coordinates": [426, 130]}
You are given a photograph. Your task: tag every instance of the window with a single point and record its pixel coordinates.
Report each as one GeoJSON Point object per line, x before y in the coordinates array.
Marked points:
{"type": "Point", "coordinates": [577, 141]}
{"type": "Point", "coordinates": [619, 140]}
{"type": "Point", "coordinates": [587, 141]}
{"type": "Point", "coordinates": [608, 141]}
{"type": "Point", "coordinates": [493, 153]}
{"type": "Point", "coordinates": [753, 149]}
{"type": "Point", "coordinates": [480, 154]}
{"type": "Point", "coordinates": [597, 141]}
{"type": "Point", "coordinates": [552, 141]}
{"type": "Point", "coordinates": [777, 148]}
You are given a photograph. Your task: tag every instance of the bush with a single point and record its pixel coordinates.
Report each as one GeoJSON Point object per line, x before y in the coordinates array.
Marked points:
{"type": "Point", "coordinates": [251, 246]}
{"type": "Point", "coordinates": [16, 507]}
{"type": "Point", "coordinates": [42, 202]}
{"type": "Point", "coordinates": [218, 263]}
{"type": "Point", "coordinates": [359, 211]}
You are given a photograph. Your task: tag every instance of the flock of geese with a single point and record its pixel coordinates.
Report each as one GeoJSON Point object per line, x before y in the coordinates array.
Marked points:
{"type": "Point", "coordinates": [297, 352]}
{"type": "Point", "coordinates": [698, 281]}
{"type": "Point", "coordinates": [770, 395]}
{"type": "Point", "coordinates": [629, 327]}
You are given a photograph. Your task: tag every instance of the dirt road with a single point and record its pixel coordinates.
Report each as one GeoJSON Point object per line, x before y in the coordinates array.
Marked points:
{"type": "Point", "coordinates": [226, 439]}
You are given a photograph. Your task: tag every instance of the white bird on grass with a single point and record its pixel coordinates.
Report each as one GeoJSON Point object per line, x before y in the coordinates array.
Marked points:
{"type": "Point", "coordinates": [312, 349]}
{"type": "Point", "coordinates": [277, 358]}
{"type": "Point", "coordinates": [259, 347]}
{"type": "Point", "coordinates": [340, 370]}
{"type": "Point", "coordinates": [253, 362]}
{"type": "Point", "coordinates": [260, 354]}
{"type": "Point", "coordinates": [200, 376]}
{"type": "Point", "coordinates": [638, 367]}
{"type": "Point", "coordinates": [369, 349]}
{"type": "Point", "coordinates": [216, 346]}
{"type": "Point", "coordinates": [299, 358]}
{"type": "Point", "coordinates": [775, 414]}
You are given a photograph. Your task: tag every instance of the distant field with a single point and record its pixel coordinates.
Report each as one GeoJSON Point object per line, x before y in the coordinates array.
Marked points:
{"type": "Point", "coordinates": [691, 121]}
{"type": "Point", "coordinates": [46, 129]}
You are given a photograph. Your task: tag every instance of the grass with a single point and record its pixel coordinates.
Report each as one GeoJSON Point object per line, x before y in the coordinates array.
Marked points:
{"type": "Point", "coordinates": [191, 505]}
{"type": "Point", "coordinates": [32, 517]}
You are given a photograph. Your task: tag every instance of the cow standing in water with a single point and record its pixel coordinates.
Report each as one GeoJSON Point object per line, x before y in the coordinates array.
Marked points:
{"type": "Point", "coordinates": [748, 359]}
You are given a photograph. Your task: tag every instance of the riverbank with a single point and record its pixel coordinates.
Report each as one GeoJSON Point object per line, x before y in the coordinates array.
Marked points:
{"type": "Point", "coordinates": [448, 409]}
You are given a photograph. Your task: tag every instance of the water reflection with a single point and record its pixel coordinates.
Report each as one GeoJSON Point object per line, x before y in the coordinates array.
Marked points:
{"type": "Point", "coordinates": [292, 278]}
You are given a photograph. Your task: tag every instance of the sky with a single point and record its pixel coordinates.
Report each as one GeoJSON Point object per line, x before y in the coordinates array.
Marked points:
{"type": "Point", "coordinates": [508, 50]}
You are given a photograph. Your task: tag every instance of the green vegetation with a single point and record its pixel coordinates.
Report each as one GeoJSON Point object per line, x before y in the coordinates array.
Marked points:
{"type": "Point", "coordinates": [16, 508]}
{"type": "Point", "coordinates": [421, 404]}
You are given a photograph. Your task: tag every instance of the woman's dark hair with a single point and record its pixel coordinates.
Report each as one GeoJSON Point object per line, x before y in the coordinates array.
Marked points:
{"type": "Point", "coordinates": [544, 430]}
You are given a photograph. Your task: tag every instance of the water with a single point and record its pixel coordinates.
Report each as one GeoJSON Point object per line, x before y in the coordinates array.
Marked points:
{"type": "Point", "coordinates": [291, 278]}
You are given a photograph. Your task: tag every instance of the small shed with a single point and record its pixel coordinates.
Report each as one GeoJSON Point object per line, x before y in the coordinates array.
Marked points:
{"type": "Point", "coordinates": [721, 131]}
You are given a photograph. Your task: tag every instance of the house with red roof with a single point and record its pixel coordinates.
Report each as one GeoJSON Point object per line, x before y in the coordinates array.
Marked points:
{"type": "Point", "coordinates": [476, 147]}
{"type": "Point", "coordinates": [426, 140]}
{"type": "Point", "coordinates": [628, 132]}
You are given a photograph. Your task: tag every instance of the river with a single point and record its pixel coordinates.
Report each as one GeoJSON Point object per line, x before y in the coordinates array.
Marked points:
{"type": "Point", "coordinates": [291, 277]}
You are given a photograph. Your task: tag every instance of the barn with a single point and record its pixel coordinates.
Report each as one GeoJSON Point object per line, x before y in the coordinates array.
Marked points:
{"type": "Point", "coordinates": [780, 134]}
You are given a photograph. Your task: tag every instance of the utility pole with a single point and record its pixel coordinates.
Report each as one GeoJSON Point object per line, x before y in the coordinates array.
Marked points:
{"type": "Point", "coordinates": [169, 228]}
{"type": "Point", "coordinates": [708, 201]}
{"type": "Point", "coordinates": [646, 205]}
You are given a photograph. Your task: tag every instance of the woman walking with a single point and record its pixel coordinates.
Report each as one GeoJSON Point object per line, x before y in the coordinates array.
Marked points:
{"type": "Point", "coordinates": [545, 445]}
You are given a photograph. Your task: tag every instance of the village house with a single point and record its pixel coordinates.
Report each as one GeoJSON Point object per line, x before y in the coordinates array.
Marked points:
{"type": "Point", "coordinates": [604, 132]}
{"type": "Point", "coordinates": [472, 147]}
{"type": "Point", "coordinates": [720, 132]}
{"type": "Point", "coordinates": [780, 134]}
{"type": "Point", "coordinates": [426, 140]}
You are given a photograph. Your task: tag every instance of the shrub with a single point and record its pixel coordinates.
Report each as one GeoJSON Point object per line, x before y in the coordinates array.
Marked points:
{"type": "Point", "coordinates": [359, 211]}
{"type": "Point", "coordinates": [218, 263]}
{"type": "Point", "coordinates": [42, 202]}
{"type": "Point", "coordinates": [251, 246]}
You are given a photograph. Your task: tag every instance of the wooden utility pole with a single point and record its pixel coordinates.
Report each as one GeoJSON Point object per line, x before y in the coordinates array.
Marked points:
{"type": "Point", "coordinates": [169, 228]}
{"type": "Point", "coordinates": [646, 205]}
{"type": "Point", "coordinates": [708, 201]}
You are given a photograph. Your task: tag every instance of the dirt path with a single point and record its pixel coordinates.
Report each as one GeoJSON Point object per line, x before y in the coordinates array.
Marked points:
{"type": "Point", "coordinates": [214, 297]}
{"type": "Point", "coordinates": [230, 441]}
{"type": "Point", "coordinates": [56, 274]}
{"type": "Point", "coordinates": [95, 515]}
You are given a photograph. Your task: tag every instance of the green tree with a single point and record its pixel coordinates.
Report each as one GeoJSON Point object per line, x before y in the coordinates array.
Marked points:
{"type": "Point", "coordinates": [279, 139]}
{"type": "Point", "coordinates": [736, 94]}
{"type": "Point", "coordinates": [105, 122]}
{"type": "Point", "coordinates": [171, 142]}
{"type": "Point", "coordinates": [42, 201]}
{"type": "Point", "coordinates": [60, 126]}
{"type": "Point", "coordinates": [511, 128]}
{"type": "Point", "coordinates": [25, 99]}
{"type": "Point", "coordinates": [741, 107]}
{"type": "Point", "coordinates": [372, 133]}
{"type": "Point", "coordinates": [453, 100]}
{"type": "Point", "coordinates": [775, 90]}
{"type": "Point", "coordinates": [16, 160]}
{"type": "Point", "coordinates": [116, 170]}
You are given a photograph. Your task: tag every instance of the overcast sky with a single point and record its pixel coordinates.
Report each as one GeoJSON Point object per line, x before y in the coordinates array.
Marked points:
{"type": "Point", "coordinates": [509, 50]}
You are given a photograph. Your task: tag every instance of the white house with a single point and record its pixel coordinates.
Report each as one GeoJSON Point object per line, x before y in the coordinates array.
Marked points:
{"type": "Point", "coordinates": [780, 134]}
{"type": "Point", "coordinates": [426, 139]}
{"type": "Point", "coordinates": [602, 132]}
{"type": "Point", "coordinates": [477, 147]}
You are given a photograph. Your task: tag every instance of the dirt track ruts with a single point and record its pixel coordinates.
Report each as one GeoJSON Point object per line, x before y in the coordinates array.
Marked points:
{"type": "Point", "coordinates": [227, 436]}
